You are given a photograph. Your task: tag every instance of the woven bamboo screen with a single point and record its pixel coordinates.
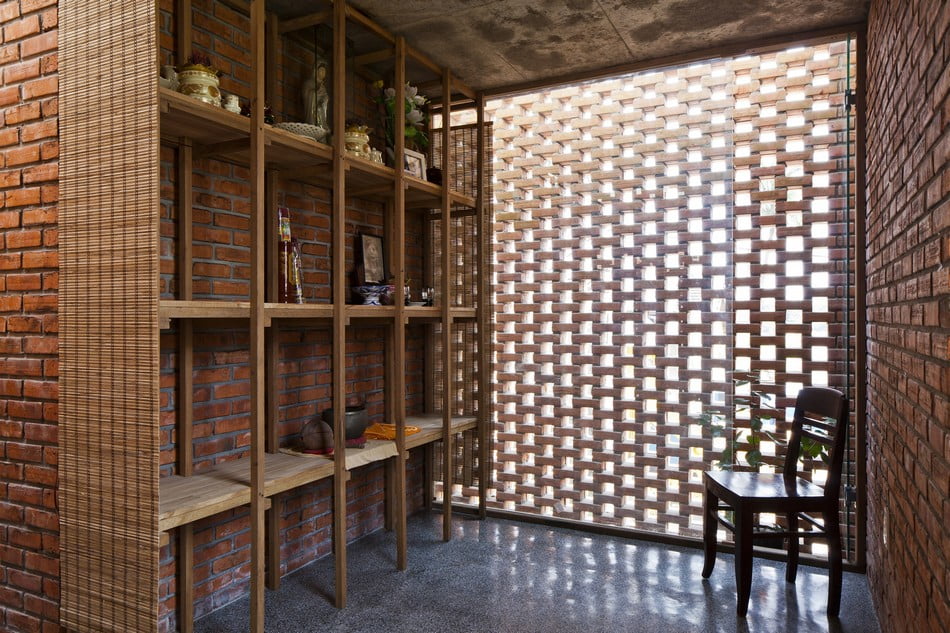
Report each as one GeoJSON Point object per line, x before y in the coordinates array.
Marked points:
{"type": "Point", "coordinates": [468, 228]}
{"type": "Point", "coordinates": [108, 307]}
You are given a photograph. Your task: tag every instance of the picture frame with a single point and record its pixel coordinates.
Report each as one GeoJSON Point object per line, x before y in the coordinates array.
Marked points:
{"type": "Point", "coordinates": [371, 257]}
{"type": "Point", "coordinates": [414, 163]}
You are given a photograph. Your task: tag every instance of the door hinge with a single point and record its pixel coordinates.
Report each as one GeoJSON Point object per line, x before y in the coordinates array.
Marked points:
{"type": "Point", "coordinates": [850, 495]}
{"type": "Point", "coordinates": [850, 99]}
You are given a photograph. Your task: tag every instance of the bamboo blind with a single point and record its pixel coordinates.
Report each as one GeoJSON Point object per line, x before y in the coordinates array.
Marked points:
{"type": "Point", "coordinates": [466, 230]}
{"type": "Point", "coordinates": [108, 307]}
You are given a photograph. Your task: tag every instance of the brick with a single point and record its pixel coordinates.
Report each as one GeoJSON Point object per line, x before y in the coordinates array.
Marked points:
{"type": "Point", "coordinates": [38, 44]}
{"type": "Point", "coordinates": [19, 29]}
{"type": "Point", "coordinates": [40, 87]}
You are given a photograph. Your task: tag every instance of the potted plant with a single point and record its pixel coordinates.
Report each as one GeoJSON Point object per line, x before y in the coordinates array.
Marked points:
{"type": "Point", "coordinates": [754, 404]}
{"type": "Point", "coordinates": [198, 79]}
{"type": "Point", "coordinates": [414, 129]}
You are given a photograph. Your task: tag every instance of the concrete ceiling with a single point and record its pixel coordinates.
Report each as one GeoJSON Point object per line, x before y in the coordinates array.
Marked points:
{"type": "Point", "coordinates": [492, 44]}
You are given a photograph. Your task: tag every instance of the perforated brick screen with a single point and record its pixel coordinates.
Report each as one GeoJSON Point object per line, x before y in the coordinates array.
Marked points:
{"type": "Point", "coordinates": [656, 235]}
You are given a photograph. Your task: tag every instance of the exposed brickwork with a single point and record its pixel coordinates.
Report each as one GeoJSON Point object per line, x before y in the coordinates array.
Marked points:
{"type": "Point", "coordinates": [908, 272]}
{"type": "Point", "coordinates": [655, 233]}
{"type": "Point", "coordinates": [29, 148]}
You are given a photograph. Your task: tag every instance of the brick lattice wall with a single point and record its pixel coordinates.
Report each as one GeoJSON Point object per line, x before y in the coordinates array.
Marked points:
{"type": "Point", "coordinates": [908, 273]}
{"type": "Point", "coordinates": [29, 149]}
{"type": "Point", "coordinates": [654, 234]}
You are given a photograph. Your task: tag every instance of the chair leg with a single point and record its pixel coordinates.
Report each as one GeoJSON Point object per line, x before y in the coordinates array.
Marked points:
{"type": "Point", "coordinates": [710, 525]}
{"type": "Point", "coordinates": [744, 522]}
{"type": "Point", "coordinates": [834, 561]}
{"type": "Point", "coordinates": [791, 567]}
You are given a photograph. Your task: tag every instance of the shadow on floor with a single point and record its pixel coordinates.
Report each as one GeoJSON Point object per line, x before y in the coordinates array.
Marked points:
{"type": "Point", "coordinates": [500, 576]}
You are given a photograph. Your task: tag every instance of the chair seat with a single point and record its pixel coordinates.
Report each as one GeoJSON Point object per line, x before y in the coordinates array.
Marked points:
{"type": "Point", "coordinates": [765, 487]}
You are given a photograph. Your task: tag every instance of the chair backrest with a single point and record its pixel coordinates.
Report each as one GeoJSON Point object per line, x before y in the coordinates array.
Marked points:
{"type": "Point", "coordinates": [821, 416]}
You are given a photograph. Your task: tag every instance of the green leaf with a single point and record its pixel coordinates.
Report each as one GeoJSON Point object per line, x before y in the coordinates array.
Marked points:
{"type": "Point", "coordinates": [754, 458]}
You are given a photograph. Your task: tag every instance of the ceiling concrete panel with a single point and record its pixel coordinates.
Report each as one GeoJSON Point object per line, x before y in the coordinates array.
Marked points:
{"type": "Point", "coordinates": [491, 44]}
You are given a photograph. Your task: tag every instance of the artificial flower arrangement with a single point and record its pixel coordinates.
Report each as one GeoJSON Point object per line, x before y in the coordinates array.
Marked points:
{"type": "Point", "coordinates": [415, 116]}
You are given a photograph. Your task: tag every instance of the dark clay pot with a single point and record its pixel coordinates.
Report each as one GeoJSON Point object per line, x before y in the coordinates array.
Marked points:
{"type": "Point", "coordinates": [355, 421]}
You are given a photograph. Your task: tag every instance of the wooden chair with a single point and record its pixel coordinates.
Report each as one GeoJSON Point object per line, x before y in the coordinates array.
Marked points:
{"type": "Point", "coordinates": [821, 414]}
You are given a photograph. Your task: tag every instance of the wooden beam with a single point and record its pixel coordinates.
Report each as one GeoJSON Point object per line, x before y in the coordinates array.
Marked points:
{"type": "Point", "coordinates": [183, 31]}
{"type": "Point", "coordinates": [257, 356]}
{"type": "Point", "coordinates": [272, 57]}
{"type": "Point", "coordinates": [186, 579]}
{"type": "Point", "coordinates": [241, 6]}
{"type": "Point", "coordinates": [482, 309]}
{"type": "Point", "coordinates": [305, 21]}
{"type": "Point", "coordinates": [423, 59]}
{"type": "Point", "coordinates": [364, 21]}
{"type": "Point", "coordinates": [374, 57]}
{"type": "Point", "coordinates": [273, 543]}
{"type": "Point", "coordinates": [448, 444]}
{"type": "Point", "coordinates": [398, 239]}
{"type": "Point", "coordinates": [339, 300]}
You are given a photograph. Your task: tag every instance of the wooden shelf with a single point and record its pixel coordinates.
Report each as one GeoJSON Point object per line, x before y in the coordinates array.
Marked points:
{"type": "Point", "coordinates": [169, 309]}
{"type": "Point", "coordinates": [369, 312]}
{"type": "Point", "coordinates": [434, 313]}
{"type": "Point", "coordinates": [184, 500]}
{"type": "Point", "coordinates": [367, 179]}
{"type": "Point", "coordinates": [298, 157]}
{"type": "Point", "coordinates": [298, 310]}
{"type": "Point", "coordinates": [431, 428]}
{"type": "Point", "coordinates": [206, 125]}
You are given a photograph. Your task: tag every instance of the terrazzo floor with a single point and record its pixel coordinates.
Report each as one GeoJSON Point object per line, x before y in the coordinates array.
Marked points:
{"type": "Point", "coordinates": [501, 576]}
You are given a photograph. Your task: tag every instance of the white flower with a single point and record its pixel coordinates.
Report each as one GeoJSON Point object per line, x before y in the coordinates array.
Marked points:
{"type": "Point", "coordinates": [390, 93]}
{"type": "Point", "coordinates": [414, 117]}
{"type": "Point", "coordinates": [411, 92]}
{"type": "Point", "coordinates": [419, 100]}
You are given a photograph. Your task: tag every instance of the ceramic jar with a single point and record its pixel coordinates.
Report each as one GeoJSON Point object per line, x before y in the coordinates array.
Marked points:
{"type": "Point", "coordinates": [356, 140]}
{"type": "Point", "coordinates": [200, 82]}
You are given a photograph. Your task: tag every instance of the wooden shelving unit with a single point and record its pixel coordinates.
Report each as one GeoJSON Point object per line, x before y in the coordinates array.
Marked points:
{"type": "Point", "coordinates": [200, 131]}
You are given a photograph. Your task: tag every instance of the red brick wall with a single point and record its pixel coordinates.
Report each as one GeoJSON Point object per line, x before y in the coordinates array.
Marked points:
{"type": "Point", "coordinates": [908, 274]}
{"type": "Point", "coordinates": [29, 149]}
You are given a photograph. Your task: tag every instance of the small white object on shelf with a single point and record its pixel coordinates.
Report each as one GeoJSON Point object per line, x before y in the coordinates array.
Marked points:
{"type": "Point", "coordinates": [315, 132]}
{"type": "Point", "coordinates": [232, 104]}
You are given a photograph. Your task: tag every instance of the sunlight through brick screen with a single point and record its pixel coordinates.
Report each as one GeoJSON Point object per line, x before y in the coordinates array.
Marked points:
{"type": "Point", "coordinates": [656, 235]}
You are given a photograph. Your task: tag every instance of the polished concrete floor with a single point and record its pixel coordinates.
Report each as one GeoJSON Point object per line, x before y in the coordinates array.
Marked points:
{"type": "Point", "coordinates": [499, 576]}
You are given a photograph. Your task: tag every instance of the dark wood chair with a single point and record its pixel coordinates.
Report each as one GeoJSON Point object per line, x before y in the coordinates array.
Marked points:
{"type": "Point", "coordinates": [821, 414]}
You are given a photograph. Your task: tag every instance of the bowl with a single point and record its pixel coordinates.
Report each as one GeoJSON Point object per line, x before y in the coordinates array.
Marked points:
{"type": "Point", "coordinates": [355, 420]}
{"type": "Point", "coordinates": [368, 295]}
{"type": "Point", "coordinates": [315, 132]}
{"type": "Point", "coordinates": [417, 303]}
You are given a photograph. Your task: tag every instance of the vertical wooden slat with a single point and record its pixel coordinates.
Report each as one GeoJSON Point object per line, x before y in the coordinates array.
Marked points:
{"type": "Point", "coordinates": [483, 315]}
{"type": "Point", "coordinates": [272, 379]}
{"type": "Point", "coordinates": [183, 30]}
{"type": "Point", "coordinates": [186, 393]}
{"type": "Point", "coordinates": [398, 382]}
{"type": "Point", "coordinates": [272, 57]}
{"type": "Point", "coordinates": [108, 319]}
{"type": "Point", "coordinates": [448, 444]}
{"type": "Point", "coordinates": [339, 299]}
{"type": "Point", "coordinates": [258, 392]}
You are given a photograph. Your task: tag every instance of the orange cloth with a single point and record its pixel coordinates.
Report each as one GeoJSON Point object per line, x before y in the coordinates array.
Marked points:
{"type": "Point", "coordinates": [379, 431]}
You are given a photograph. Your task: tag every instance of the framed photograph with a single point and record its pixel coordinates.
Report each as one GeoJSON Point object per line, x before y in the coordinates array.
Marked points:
{"type": "Point", "coordinates": [415, 164]}
{"type": "Point", "coordinates": [371, 252]}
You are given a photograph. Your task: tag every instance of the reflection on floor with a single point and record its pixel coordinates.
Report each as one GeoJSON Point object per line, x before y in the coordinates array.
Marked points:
{"type": "Point", "coordinates": [502, 576]}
